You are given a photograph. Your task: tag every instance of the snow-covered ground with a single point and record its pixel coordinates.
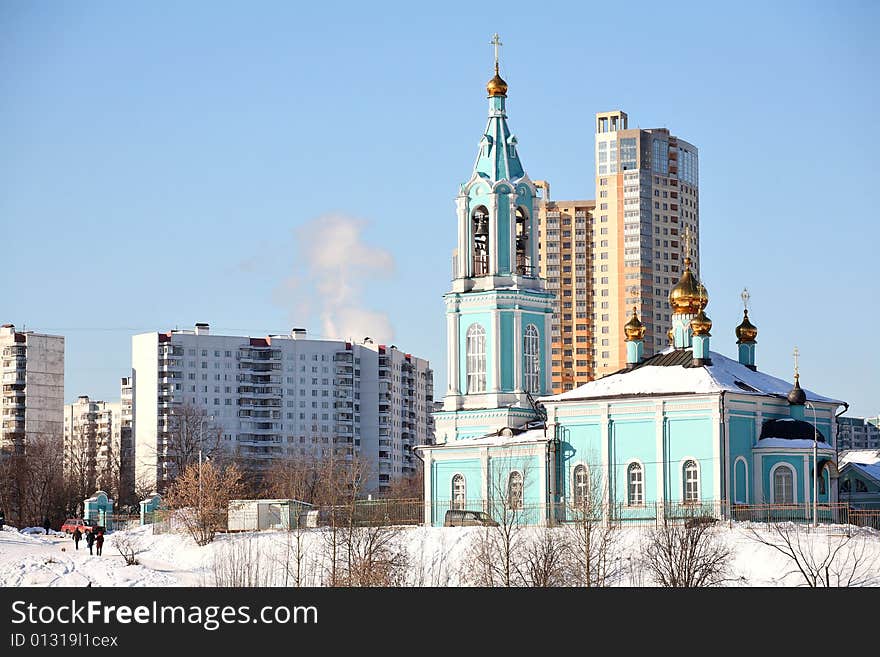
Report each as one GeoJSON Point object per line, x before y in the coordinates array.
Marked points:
{"type": "Point", "coordinates": [436, 557]}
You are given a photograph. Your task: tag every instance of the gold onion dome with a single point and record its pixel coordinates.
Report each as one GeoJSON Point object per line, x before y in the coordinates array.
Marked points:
{"type": "Point", "coordinates": [497, 86]}
{"type": "Point", "coordinates": [746, 332]}
{"type": "Point", "coordinates": [689, 296]}
{"type": "Point", "coordinates": [701, 325]}
{"type": "Point", "coordinates": [634, 329]}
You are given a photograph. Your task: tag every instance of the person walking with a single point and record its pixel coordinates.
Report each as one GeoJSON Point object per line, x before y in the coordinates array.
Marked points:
{"type": "Point", "coordinates": [77, 535]}
{"type": "Point", "coordinates": [90, 540]}
{"type": "Point", "coordinates": [2, 519]}
{"type": "Point", "coordinates": [99, 542]}
{"type": "Point", "coordinates": [46, 525]}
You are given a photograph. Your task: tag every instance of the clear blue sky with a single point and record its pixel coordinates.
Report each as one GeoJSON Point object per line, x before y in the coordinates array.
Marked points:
{"type": "Point", "coordinates": [157, 159]}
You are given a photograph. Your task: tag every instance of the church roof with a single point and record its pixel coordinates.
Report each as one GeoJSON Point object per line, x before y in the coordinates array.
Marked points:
{"type": "Point", "coordinates": [672, 372]}
{"type": "Point", "coordinates": [498, 157]}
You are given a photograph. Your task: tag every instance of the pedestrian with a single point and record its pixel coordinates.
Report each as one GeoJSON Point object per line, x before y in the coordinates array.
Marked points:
{"type": "Point", "coordinates": [77, 535]}
{"type": "Point", "coordinates": [99, 542]}
{"type": "Point", "coordinates": [2, 519]}
{"type": "Point", "coordinates": [90, 540]}
{"type": "Point", "coordinates": [46, 525]}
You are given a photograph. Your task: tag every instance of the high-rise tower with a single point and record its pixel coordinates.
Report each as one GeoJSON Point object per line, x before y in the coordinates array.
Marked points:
{"type": "Point", "coordinates": [498, 312]}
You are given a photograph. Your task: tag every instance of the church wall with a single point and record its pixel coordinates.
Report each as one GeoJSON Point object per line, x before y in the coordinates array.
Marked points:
{"type": "Point", "coordinates": [508, 346]}
{"type": "Point", "coordinates": [531, 466]}
{"type": "Point", "coordinates": [484, 320]}
{"type": "Point", "coordinates": [579, 444]}
{"type": "Point", "coordinates": [442, 472]}
{"type": "Point", "coordinates": [538, 319]}
{"type": "Point", "coordinates": [689, 438]}
{"type": "Point", "coordinates": [502, 244]}
{"type": "Point", "coordinates": [633, 441]}
{"type": "Point", "coordinates": [741, 435]}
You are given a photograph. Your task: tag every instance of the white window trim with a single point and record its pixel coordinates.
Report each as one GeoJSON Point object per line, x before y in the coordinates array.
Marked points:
{"type": "Point", "coordinates": [573, 477]}
{"type": "Point", "coordinates": [522, 490]}
{"type": "Point", "coordinates": [626, 478]}
{"type": "Point", "coordinates": [735, 491]}
{"type": "Point", "coordinates": [464, 487]}
{"type": "Point", "coordinates": [789, 466]}
{"type": "Point", "coordinates": [684, 482]}
{"type": "Point", "coordinates": [480, 374]}
{"type": "Point", "coordinates": [529, 360]}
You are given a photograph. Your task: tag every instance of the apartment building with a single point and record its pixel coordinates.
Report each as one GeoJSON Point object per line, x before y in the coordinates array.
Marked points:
{"type": "Point", "coordinates": [565, 234]}
{"type": "Point", "coordinates": [647, 197]}
{"type": "Point", "coordinates": [32, 405]}
{"type": "Point", "coordinates": [92, 451]}
{"type": "Point", "coordinates": [858, 433]}
{"type": "Point", "coordinates": [281, 396]}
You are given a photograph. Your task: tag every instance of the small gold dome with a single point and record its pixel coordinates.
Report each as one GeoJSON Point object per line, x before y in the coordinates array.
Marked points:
{"type": "Point", "coordinates": [689, 296]}
{"type": "Point", "coordinates": [634, 329]}
{"type": "Point", "coordinates": [671, 335]}
{"type": "Point", "coordinates": [701, 324]}
{"type": "Point", "coordinates": [746, 332]}
{"type": "Point", "coordinates": [497, 86]}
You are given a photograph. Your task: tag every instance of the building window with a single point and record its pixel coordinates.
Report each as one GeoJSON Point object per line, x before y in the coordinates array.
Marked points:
{"type": "Point", "coordinates": [691, 478]}
{"type": "Point", "coordinates": [515, 490]}
{"type": "Point", "coordinates": [531, 361]}
{"type": "Point", "coordinates": [476, 358]}
{"type": "Point", "coordinates": [783, 485]}
{"type": "Point", "coordinates": [458, 492]}
{"type": "Point", "coordinates": [579, 483]}
{"type": "Point", "coordinates": [634, 487]}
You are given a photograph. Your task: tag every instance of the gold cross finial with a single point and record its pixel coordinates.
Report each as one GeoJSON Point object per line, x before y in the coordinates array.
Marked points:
{"type": "Point", "coordinates": [496, 41]}
{"type": "Point", "coordinates": [796, 353]}
{"type": "Point", "coordinates": [745, 296]}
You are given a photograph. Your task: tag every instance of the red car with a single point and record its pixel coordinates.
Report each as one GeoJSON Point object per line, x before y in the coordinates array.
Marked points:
{"type": "Point", "coordinates": [71, 524]}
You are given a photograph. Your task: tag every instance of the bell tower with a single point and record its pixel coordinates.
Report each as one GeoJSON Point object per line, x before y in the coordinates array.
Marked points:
{"type": "Point", "coordinates": [498, 313]}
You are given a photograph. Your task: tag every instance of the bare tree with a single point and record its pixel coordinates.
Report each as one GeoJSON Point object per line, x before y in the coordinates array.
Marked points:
{"type": "Point", "coordinates": [493, 558]}
{"type": "Point", "coordinates": [592, 532]}
{"type": "Point", "coordinates": [546, 558]}
{"type": "Point", "coordinates": [200, 498]}
{"type": "Point", "coordinates": [374, 557]}
{"type": "Point", "coordinates": [129, 546]}
{"type": "Point", "coordinates": [191, 431]}
{"type": "Point", "coordinates": [298, 479]}
{"type": "Point", "coordinates": [241, 563]}
{"type": "Point", "coordinates": [686, 555]}
{"type": "Point", "coordinates": [842, 560]}
{"type": "Point", "coordinates": [31, 482]}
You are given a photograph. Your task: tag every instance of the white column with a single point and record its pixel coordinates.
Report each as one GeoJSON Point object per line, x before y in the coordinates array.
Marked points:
{"type": "Point", "coordinates": [547, 364]}
{"type": "Point", "coordinates": [465, 257]}
{"type": "Point", "coordinates": [606, 466]}
{"type": "Point", "coordinates": [429, 501]}
{"type": "Point", "coordinates": [493, 234]}
{"type": "Point", "coordinates": [484, 464]}
{"type": "Point", "coordinates": [716, 453]}
{"type": "Point", "coordinates": [659, 431]}
{"type": "Point", "coordinates": [517, 351]}
{"type": "Point", "coordinates": [512, 221]}
{"type": "Point", "coordinates": [808, 497]}
{"type": "Point", "coordinates": [496, 352]}
{"type": "Point", "coordinates": [758, 480]}
{"type": "Point", "coordinates": [727, 464]}
{"type": "Point", "coordinates": [452, 352]}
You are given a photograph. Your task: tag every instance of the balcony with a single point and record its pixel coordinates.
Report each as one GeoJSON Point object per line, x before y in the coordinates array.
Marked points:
{"type": "Point", "coordinates": [343, 357]}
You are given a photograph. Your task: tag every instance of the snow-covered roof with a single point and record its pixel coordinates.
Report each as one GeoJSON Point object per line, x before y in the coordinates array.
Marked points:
{"type": "Point", "coordinates": [495, 440]}
{"type": "Point", "coordinates": [671, 372]}
{"type": "Point", "coordinates": [870, 470]}
{"type": "Point", "coordinates": [863, 456]}
{"type": "Point", "coordinates": [796, 443]}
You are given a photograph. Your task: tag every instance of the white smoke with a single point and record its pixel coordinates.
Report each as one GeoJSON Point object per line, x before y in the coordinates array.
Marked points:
{"type": "Point", "coordinates": [332, 270]}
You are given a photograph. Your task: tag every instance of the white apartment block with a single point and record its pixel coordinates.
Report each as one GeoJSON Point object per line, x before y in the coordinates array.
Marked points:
{"type": "Point", "coordinates": [858, 433]}
{"type": "Point", "coordinates": [282, 396]}
{"type": "Point", "coordinates": [92, 434]}
{"type": "Point", "coordinates": [32, 405]}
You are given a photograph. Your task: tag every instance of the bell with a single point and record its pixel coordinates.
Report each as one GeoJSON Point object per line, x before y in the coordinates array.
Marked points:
{"type": "Point", "coordinates": [482, 226]}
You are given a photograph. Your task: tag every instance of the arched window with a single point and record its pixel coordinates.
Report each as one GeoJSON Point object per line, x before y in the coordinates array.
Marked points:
{"type": "Point", "coordinates": [523, 263]}
{"type": "Point", "coordinates": [634, 484]}
{"type": "Point", "coordinates": [531, 361]}
{"type": "Point", "coordinates": [480, 229]}
{"type": "Point", "coordinates": [476, 358]}
{"type": "Point", "coordinates": [691, 479]}
{"type": "Point", "coordinates": [515, 490]}
{"type": "Point", "coordinates": [579, 484]}
{"type": "Point", "coordinates": [821, 480]}
{"type": "Point", "coordinates": [459, 493]}
{"type": "Point", "coordinates": [783, 485]}
{"type": "Point", "coordinates": [861, 486]}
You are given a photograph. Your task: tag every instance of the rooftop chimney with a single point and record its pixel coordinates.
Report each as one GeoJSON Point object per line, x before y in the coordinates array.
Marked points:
{"type": "Point", "coordinates": [298, 333]}
{"type": "Point", "coordinates": [202, 328]}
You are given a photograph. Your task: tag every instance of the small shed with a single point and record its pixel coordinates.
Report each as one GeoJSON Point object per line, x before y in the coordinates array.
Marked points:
{"type": "Point", "coordinates": [257, 515]}
{"type": "Point", "coordinates": [148, 506]}
{"type": "Point", "coordinates": [99, 509]}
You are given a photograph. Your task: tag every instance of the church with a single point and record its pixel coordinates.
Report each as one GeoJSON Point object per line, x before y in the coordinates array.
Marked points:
{"type": "Point", "coordinates": [683, 429]}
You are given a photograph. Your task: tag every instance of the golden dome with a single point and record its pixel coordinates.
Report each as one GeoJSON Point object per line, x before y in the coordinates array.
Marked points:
{"type": "Point", "coordinates": [634, 329]}
{"type": "Point", "coordinates": [701, 324]}
{"type": "Point", "coordinates": [746, 332]}
{"type": "Point", "coordinates": [497, 86]}
{"type": "Point", "coordinates": [689, 296]}
{"type": "Point", "coordinates": [671, 335]}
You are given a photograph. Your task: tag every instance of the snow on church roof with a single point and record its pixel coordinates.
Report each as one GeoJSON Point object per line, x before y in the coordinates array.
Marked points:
{"type": "Point", "coordinates": [672, 372]}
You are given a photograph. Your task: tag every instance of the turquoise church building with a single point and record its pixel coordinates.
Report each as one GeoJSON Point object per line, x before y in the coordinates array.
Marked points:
{"type": "Point", "coordinates": [685, 428]}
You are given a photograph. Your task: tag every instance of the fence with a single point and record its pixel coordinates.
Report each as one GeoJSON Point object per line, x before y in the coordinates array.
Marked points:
{"type": "Point", "coordinates": [384, 512]}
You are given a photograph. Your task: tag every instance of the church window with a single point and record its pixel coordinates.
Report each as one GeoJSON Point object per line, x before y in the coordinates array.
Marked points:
{"type": "Point", "coordinates": [476, 358]}
{"type": "Point", "coordinates": [515, 490]}
{"type": "Point", "coordinates": [531, 361]}
{"type": "Point", "coordinates": [691, 478]}
{"type": "Point", "coordinates": [783, 485]}
{"type": "Point", "coordinates": [480, 226]}
{"type": "Point", "coordinates": [579, 485]}
{"type": "Point", "coordinates": [458, 492]}
{"type": "Point", "coordinates": [634, 484]}
{"type": "Point", "coordinates": [861, 486]}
